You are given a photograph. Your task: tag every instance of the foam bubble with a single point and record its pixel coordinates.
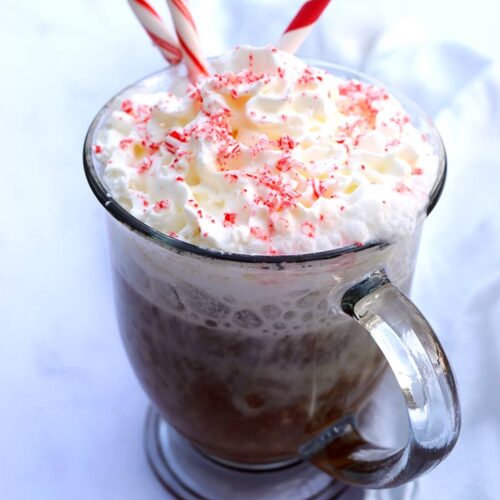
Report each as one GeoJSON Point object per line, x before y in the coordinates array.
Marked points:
{"type": "Point", "coordinates": [246, 318]}
{"type": "Point", "coordinates": [203, 303]}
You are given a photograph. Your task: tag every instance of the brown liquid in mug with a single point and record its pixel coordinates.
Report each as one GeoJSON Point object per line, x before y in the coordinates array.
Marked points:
{"type": "Point", "coordinates": [237, 393]}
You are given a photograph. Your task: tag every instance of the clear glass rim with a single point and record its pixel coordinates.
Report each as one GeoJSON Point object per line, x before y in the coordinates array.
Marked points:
{"type": "Point", "coordinates": [122, 215]}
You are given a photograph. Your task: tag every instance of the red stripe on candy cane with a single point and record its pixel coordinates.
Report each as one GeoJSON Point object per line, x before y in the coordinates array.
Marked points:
{"type": "Point", "coordinates": [199, 65]}
{"type": "Point", "coordinates": [148, 7]}
{"type": "Point", "coordinates": [185, 12]}
{"type": "Point", "coordinates": [301, 24]}
{"type": "Point", "coordinates": [171, 49]}
{"type": "Point", "coordinates": [308, 14]}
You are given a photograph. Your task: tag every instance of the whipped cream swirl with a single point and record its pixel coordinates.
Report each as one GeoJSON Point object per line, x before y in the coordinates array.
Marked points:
{"type": "Point", "coordinates": [268, 156]}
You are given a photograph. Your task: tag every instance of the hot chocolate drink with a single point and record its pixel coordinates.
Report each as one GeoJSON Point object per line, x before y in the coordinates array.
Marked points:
{"type": "Point", "coordinates": [262, 194]}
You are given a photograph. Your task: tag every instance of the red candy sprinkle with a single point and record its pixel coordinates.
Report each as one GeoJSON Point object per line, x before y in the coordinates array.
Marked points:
{"type": "Point", "coordinates": [194, 93]}
{"type": "Point", "coordinates": [230, 177]}
{"type": "Point", "coordinates": [171, 148]}
{"type": "Point", "coordinates": [308, 229]}
{"type": "Point", "coordinates": [98, 149]}
{"type": "Point", "coordinates": [392, 144]}
{"type": "Point", "coordinates": [402, 188]}
{"type": "Point", "coordinates": [154, 147]}
{"type": "Point", "coordinates": [229, 218]}
{"type": "Point", "coordinates": [127, 106]}
{"type": "Point", "coordinates": [286, 143]}
{"type": "Point", "coordinates": [161, 205]}
{"type": "Point", "coordinates": [259, 233]}
{"type": "Point", "coordinates": [144, 165]}
{"type": "Point", "coordinates": [308, 76]}
{"type": "Point", "coordinates": [143, 114]}
{"type": "Point", "coordinates": [177, 135]}
{"type": "Point", "coordinates": [286, 163]}
{"type": "Point", "coordinates": [125, 142]}
{"type": "Point", "coordinates": [318, 188]}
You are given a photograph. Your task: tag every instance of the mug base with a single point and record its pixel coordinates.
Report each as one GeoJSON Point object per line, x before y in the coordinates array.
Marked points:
{"type": "Point", "coordinates": [187, 473]}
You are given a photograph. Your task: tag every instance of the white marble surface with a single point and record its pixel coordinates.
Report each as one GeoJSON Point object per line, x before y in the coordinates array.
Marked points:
{"type": "Point", "coordinates": [72, 411]}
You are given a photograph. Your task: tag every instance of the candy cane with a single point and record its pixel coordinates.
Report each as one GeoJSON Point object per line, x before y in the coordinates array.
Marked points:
{"type": "Point", "coordinates": [157, 30]}
{"type": "Point", "coordinates": [188, 38]}
{"type": "Point", "coordinates": [301, 24]}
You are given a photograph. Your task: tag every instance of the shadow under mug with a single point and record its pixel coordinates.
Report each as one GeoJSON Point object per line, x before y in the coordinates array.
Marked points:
{"type": "Point", "coordinates": [260, 360]}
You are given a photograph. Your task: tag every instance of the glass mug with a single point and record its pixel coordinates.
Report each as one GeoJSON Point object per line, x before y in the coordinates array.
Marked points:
{"type": "Point", "coordinates": [262, 360]}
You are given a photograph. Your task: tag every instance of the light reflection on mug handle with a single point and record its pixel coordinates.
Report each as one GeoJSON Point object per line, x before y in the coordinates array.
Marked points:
{"type": "Point", "coordinates": [425, 378]}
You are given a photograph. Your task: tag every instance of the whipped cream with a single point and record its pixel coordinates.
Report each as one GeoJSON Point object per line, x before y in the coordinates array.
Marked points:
{"type": "Point", "coordinates": [267, 156]}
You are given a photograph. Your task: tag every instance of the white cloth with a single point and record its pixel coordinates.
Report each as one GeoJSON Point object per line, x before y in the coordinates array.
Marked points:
{"type": "Point", "coordinates": [71, 409]}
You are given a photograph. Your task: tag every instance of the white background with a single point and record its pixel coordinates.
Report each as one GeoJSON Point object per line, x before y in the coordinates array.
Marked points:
{"type": "Point", "coordinates": [71, 410]}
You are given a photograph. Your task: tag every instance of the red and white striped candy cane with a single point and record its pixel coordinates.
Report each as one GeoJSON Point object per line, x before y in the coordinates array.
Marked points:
{"type": "Point", "coordinates": [301, 24]}
{"type": "Point", "coordinates": [188, 38]}
{"type": "Point", "coordinates": [157, 30]}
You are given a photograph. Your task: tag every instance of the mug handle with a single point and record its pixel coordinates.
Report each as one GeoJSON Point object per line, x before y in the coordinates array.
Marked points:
{"type": "Point", "coordinates": [425, 378]}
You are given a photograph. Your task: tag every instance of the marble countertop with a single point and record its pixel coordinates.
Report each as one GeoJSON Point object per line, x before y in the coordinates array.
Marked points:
{"type": "Point", "coordinates": [72, 411]}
